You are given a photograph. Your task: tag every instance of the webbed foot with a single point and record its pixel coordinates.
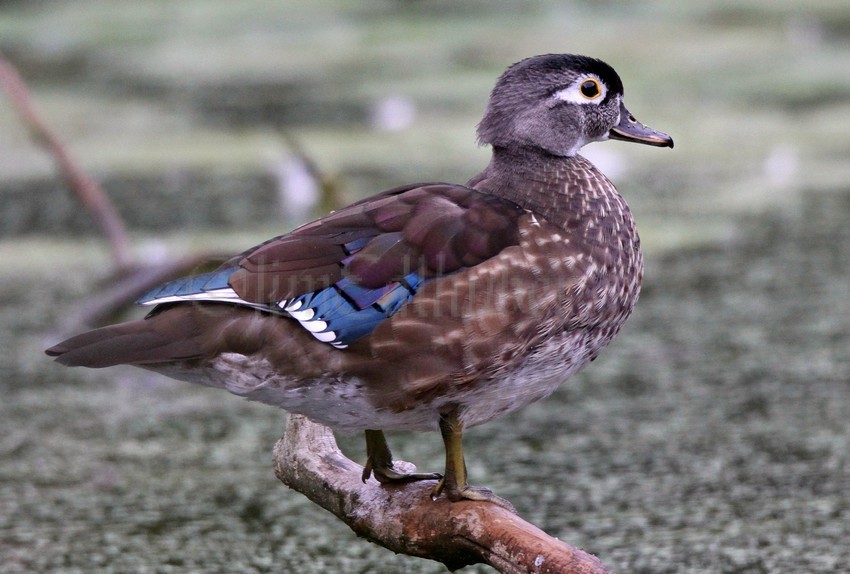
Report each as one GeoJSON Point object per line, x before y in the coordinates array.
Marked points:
{"type": "Point", "coordinates": [477, 493]}
{"type": "Point", "coordinates": [453, 484]}
{"type": "Point", "coordinates": [379, 463]}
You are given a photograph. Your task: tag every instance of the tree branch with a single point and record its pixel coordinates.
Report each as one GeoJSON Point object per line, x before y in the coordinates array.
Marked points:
{"type": "Point", "coordinates": [404, 519]}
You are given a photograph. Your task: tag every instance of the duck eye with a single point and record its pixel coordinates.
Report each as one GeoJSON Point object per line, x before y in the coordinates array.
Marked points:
{"type": "Point", "coordinates": [587, 90]}
{"type": "Point", "coordinates": [590, 88]}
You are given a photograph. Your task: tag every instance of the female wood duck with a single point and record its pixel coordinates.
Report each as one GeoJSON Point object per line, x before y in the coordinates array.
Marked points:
{"type": "Point", "coordinates": [431, 305]}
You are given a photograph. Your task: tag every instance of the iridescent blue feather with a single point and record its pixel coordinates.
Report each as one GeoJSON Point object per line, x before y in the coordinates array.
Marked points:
{"type": "Point", "coordinates": [193, 287]}
{"type": "Point", "coordinates": [339, 314]}
{"type": "Point", "coordinates": [351, 311]}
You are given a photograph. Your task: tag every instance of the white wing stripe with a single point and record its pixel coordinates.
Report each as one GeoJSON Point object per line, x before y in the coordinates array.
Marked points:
{"type": "Point", "coordinates": [225, 295]}
{"type": "Point", "coordinates": [326, 336]}
{"type": "Point", "coordinates": [314, 326]}
{"type": "Point", "coordinates": [304, 315]}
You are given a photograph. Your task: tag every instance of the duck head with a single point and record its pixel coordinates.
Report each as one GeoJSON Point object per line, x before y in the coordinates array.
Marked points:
{"type": "Point", "coordinates": [558, 103]}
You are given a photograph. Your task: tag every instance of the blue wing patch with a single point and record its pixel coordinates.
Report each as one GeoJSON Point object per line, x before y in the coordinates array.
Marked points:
{"type": "Point", "coordinates": [338, 315]}
{"type": "Point", "coordinates": [205, 287]}
{"type": "Point", "coordinates": [345, 311]}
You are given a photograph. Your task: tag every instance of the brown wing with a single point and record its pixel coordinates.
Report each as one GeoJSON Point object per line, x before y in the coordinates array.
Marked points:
{"type": "Point", "coordinates": [431, 229]}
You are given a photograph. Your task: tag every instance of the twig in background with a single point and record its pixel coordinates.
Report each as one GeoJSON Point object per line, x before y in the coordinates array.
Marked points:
{"type": "Point", "coordinates": [129, 280]}
{"type": "Point", "coordinates": [80, 183]}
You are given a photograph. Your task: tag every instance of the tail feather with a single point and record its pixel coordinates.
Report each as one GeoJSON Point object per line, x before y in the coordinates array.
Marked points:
{"type": "Point", "coordinates": [134, 343]}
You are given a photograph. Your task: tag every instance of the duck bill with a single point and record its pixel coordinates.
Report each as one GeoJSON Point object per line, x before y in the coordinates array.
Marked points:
{"type": "Point", "coordinates": [631, 130]}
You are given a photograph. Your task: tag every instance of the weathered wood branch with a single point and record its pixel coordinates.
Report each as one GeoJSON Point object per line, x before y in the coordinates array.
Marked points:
{"type": "Point", "coordinates": [404, 518]}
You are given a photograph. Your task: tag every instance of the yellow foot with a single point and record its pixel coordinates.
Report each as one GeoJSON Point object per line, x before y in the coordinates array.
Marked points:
{"type": "Point", "coordinates": [379, 462]}
{"type": "Point", "coordinates": [478, 493]}
{"type": "Point", "coordinates": [388, 475]}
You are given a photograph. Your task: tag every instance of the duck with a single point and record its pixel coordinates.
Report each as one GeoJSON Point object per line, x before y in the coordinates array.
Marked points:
{"type": "Point", "coordinates": [428, 307]}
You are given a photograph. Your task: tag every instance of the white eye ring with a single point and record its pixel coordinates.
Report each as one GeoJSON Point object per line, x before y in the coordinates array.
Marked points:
{"type": "Point", "coordinates": [574, 95]}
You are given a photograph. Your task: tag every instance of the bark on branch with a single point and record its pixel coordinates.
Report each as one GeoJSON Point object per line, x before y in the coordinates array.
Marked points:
{"type": "Point", "coordinates": [404, 519]}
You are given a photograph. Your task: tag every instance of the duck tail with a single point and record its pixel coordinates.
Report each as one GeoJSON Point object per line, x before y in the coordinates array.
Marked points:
{"type": "Point", "coordinates": [134, 343]}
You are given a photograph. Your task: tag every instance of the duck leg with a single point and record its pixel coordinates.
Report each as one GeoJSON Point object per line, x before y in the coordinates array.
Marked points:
{"type": "Point", "coordinates": [454, 482]}
{"type": "Point", "coordinates": [379, 462]}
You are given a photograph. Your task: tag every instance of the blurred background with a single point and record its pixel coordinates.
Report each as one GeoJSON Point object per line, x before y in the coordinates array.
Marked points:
{"type": "Point", "coordinates": [711, 437]}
